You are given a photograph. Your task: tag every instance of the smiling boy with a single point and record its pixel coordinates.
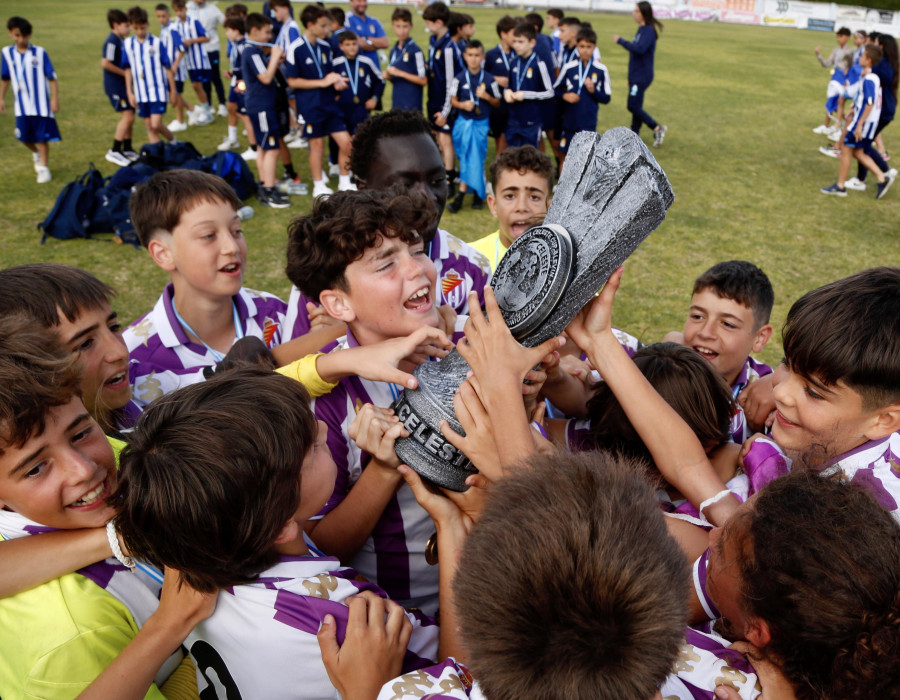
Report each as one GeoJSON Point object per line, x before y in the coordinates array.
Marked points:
{"type": "Point", "coordinates": [727, 320]}
{"type": "Point", "coordinates": [76, 306]}
{"type": "Point", "coordinates": [188, 222]}
{"type": "Point", "coordinates": [56, 470]}
{"type": "Point", "coordinates": [360, 255]}
{"type": "Point", "coordinates": [838, 408]}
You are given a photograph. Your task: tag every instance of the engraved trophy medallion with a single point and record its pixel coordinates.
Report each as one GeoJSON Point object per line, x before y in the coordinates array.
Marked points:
{"type": "Point", "coordinates": [612, 194]}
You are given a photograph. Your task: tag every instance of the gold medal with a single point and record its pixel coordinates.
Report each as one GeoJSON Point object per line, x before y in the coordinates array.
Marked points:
{"type": "Point", "coordinates": [431, 550]}
{"type": "Point", "coordinates": [355, 100]}
{"type": "Point", "coordinates": [478, 110]}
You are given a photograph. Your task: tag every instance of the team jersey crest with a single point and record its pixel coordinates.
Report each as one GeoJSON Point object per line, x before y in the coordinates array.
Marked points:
{"type": "Point", "coordinates": [450, 281]}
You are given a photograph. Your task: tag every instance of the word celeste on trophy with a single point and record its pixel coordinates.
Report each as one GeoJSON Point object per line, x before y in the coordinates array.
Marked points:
{"type": "Point", "coordinates": [611, 195]}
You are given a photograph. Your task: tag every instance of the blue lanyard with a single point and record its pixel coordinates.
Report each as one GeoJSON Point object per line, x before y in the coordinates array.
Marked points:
{"type": "Point", "coordinates": [505, 58]}
{"type": "Point", "coordinates": [238, 331]}
{"type": "Point", "coordinates": [523, 71]}
{"type": "Point", "coordinates": [469, 85]}
{"type": "Point", "coordinates": [582, 75]}
{"type": "Point", "coordinates": [396, 53]}
{"type": "Point", "coordinates": [312, 52]}
{"type": "Point", "coordinates": [353, 75]}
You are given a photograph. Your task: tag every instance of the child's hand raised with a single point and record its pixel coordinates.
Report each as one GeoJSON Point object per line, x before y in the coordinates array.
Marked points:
{"type": "Point", "coordinates": [595, 318]}
{"type": "Point", "coordinates": [451, 511]}
{"type": "Point", "coordinates": [375, 643]}
{"type": "Point", "coordinates": [375, 430]}
{"type": "Point", "coordinates": [478, 443]}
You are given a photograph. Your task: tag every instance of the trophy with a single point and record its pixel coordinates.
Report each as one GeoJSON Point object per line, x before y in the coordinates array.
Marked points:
{"type": "Point", "coordinates": [612, 194]}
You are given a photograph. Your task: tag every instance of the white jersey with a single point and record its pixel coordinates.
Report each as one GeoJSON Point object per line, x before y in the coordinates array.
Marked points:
{"type": "Point", "coordinates": [869, 94]}
{"type": "Point", "coordinates": [30, 74]}
{"type": "Point", "coordinates": [875, 466]}
{"type": "Point", "coordinates": [171, 39]}
{"type": "Point", "coordinates": [148, 61]}
{"type": "Point", "coordinates": [210, 17]}
{"type": "Point", "coordinates": [288, 34]}
{"type": "Point", "coordinates": [261, 640]}
{"type": "Point", "coordinates": [195, 57]}
{"type": "Point", "coordinates": [393, 556]}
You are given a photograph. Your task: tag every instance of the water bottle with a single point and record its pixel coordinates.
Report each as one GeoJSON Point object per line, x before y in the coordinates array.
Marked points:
{"type": "Point", "coordinates": [245, 213]}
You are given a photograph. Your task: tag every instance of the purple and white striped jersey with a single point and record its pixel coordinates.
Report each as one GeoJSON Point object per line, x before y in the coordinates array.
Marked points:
{"type": "Point", "coordinates": [163, 358]}
{"type": "Point", "coordinates": [261, 640]}
{"type": "Point", "coordinates": [750, 372]}
{"type": "Point", "coordinates": [460, 269]}
{"type": "Point", "coordinates": [869, 94]}
{"type": "Point", "coordinates": [171, 39]}
{"type": "Point", "coordinates": [393, 556]}
{"type": "Point", "coordinates": [29, 73]}
{"type": "Point", "coordinates": [703, 663]}
{"type": "Point", "coordinates": [195, 58]}
{"type": "Point", "coordinates": [148, 61]}
{"type": "Point", "coordinates": [875, 466]}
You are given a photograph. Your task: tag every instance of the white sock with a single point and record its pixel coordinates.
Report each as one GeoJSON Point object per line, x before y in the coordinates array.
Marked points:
{"type": "Point", "coordinates": [232, 133]}
{"type": "Point", "coordinates": [343, 180]}
{"type": "Point", "coordinates": [319, 183]}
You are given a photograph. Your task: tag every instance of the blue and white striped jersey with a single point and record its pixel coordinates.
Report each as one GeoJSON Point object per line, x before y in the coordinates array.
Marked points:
{"type": "Point", "coordinates": [171, 39]}
{"type": "Point", "coordinates": [148, 61]}
{"type": "Point", "coordinates": [195, 57]}
{"type": "Point", "coordinates": [30, 74]}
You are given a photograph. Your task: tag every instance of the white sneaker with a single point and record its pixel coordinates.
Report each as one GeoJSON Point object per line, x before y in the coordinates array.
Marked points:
{"type": "Point", "coordinates": [117, 158]}
{"type": "Point", "coordinates": [228, 144]}
{"type": "Point", "coordinates": [891, 173]}
{"type": "Point", "coordinates": [854, 183]}
{"type": "Point", "coordinates": [298, 142]}
{"type": "Point", "coordinates": [132, 156]}
{"type": "Point", "coordinates": [222, 111]}
{"type": "Point", "coordinates": [192, 117]}
{"type": "Point", "coordinates": [176, 125]}
{"type": "Point", "coordinates": [334, 170]}
{"type": "Point", "coordinates": [204, 118]}
{"type": "Point", "coordinates": [321, 189]}
{"type": "Point", "coordinates": [349, 187]}
{"type": "Point", "coordinates": [291, 135]}
{"type": "Point", "coordinates": [36, 158]}
{"type": "Point", "coordinates": [835, 134]}
{"type": "Point", "coordinates": [249, 154]}
{"type": "Point", "coordinates": [822, 129]}
{"type": "Point", "coordinates": [43, 174]}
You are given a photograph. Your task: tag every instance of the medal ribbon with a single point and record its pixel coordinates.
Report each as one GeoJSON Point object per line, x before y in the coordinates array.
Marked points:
{"type": "Point", "coordinates": [469, 86]}
{"type": "Point", "coordinates": [238, 330]}
{"type": "Point", "coordinates": [523, 71]}
{"type": "Point", "coordinates": [314, 53]}
{"type": "Point", "coordinates": [353, 75]}
{"type": "Point", "coordinates": [582, 75]}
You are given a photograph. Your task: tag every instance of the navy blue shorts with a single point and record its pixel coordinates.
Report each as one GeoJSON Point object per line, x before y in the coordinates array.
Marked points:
{"type": "Point", "coordinates": [850, 140]}
{"type": "Point", "coordinates": [120, 103]}
{"type": "Point", "coordinates": [448, 127]}
{"type": "Point", "coordinates": [179, 86]}
{"type": "Point", "coordinates": [330, 125]}
{"type": "Point", "coordinates": [238, 99]}
{"type": "Point", "coordinates": [145, 109]}
{"type": "Point", "coordinates": [265, 126]}
{"type": "Point", "coordinates": [199, 75]}
{"type": "Point", "coordinates": [37, 129]}
{"type": "Point", "coordinates": [523, 135]}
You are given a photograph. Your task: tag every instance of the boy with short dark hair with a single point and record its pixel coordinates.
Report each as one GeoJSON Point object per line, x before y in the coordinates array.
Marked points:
{"type": "Point", "coordinates": [578, 615]}
{"type": "Point", "coordinates": [360, 255]}
{"type": "Point", "coordinates": [554, 17]}
{"type": "Point", "coordinates": [568, 39]}
{"type": "Point", "coordinates": [530, 85]}
{"type": "Point", "coordinates": [583, 84]}
{"type": "Point", "coordinates": [175, 49]}
{"type": "Point", "coordinates": [187, 220]}
{"type": "Point", "coordinates": [233, 523]}
{"type": "Point", "coordinates": [310, 70]}
{"type": "Point", "coordinates": [728, 319]}
{"type": "Point", "coordinates": [35, 94]}
{"type": "Point", "coordinates": [258, 66]}
{"type": "Point", "coordinates": [442, 66]}
{"type": "Point", "coordinates": [474, 93]}
{"type": "Point", "coordinates": [498, 61]}
{"type": "Point", "coordinates": [148, 76]}
{"type": "Point", "coordinates": [521, 183]}
{"type": "Point", "coordinates": [406, 69]}
{"type": "Point", "coordinates": [365, 85]}
{"type": "Point", "coordinates": [122, 152]}
{"type": "Point", "coordinates": [76, 307]}
{"type": "Point", "coordinates": [838, 407]}
{"type": "Point", "coordinates": [235, 31]}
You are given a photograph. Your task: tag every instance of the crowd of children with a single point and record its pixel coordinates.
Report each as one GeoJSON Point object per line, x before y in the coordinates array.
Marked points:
{"type": "Point", "coordinates": [208, 503]}
{"type": "Point", "coordinates": [318, 77]}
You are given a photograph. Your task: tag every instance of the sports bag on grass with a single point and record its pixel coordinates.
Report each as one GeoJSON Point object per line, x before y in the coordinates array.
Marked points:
{"type": "Point", "coordinates": [71, 215]}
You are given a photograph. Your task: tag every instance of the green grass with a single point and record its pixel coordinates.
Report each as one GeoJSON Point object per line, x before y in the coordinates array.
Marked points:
{"type": "Point", "coordinates": [739, 101]}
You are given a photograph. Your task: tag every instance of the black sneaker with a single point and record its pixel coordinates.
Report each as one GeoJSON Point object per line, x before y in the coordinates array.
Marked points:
{"type": "Point", "coordinates": [883, 187]}
{"type": "Point", "coordinates": [477, 202]}
{"type": "Point", "coordinates": [456, 204]}
{"type": "Point", "coordinates": [270, 197]}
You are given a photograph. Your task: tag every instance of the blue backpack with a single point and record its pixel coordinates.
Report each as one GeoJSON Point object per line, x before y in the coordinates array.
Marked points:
{"type": "Point", "coordinates": [71, 215]}
{"type": "Point", "coordinates": [235, 171]}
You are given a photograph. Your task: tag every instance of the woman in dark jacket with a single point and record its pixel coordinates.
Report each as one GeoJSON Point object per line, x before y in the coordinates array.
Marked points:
{"type": "Point", "coordinates": [640, 68]}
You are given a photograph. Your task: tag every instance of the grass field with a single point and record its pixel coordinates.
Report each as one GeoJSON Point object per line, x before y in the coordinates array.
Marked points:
{"type": "Point", "coordinates": [740, 103]}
